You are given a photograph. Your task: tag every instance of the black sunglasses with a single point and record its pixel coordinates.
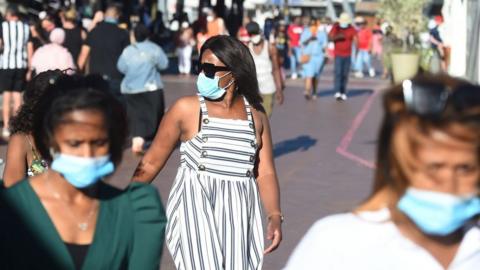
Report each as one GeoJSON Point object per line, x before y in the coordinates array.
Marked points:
{"type": "Point", "coordinates": [210, 69]}
{"type": "Point", "coordinates": [430, 99]}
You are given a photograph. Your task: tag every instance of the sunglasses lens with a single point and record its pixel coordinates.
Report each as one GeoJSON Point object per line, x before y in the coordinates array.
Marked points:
{"type": "Point", "coordinates": [208, 70]}
{"type": "Point", "coordinates": [425, 100]}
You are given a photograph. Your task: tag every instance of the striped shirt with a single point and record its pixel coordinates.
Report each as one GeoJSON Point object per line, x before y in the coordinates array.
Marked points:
{"type": "Point", "coordinates": [15, 36]}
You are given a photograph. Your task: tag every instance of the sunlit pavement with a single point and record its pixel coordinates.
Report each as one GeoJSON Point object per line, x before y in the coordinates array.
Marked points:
{"type": "Point", "coordinates": [324, 153]}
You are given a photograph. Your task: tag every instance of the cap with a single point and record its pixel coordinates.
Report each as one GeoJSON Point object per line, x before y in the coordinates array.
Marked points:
{"type": "Point", "coordinates": [344, 18]}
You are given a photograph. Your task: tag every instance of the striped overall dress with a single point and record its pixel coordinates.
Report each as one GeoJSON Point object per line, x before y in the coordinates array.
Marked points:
{"type": "Point", "coordinates": [214, 212]}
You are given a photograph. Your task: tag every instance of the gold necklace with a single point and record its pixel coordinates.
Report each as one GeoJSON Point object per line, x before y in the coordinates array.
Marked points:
{"type": "Point", "coordinates": [82, 226]}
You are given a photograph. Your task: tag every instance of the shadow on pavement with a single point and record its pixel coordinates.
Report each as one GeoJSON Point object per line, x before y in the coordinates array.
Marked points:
{"type": "Point", "coordinates": [300, 143]}
{"type": "Point", "coordinates": [350, 92]}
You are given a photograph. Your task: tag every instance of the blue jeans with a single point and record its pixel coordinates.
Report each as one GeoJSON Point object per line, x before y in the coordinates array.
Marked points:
{"type": "Point", "coordinates": [342, 69]}
{"type": "Point", "coordinates": [363, 57]}
{"type": "Point", "coordinates": [294, 59]}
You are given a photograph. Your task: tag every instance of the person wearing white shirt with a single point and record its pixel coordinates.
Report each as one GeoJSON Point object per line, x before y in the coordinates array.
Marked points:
{"type": "Point", "coordinates": [424, 210]}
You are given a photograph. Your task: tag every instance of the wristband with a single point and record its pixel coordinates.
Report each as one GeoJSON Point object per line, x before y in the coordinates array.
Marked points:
{"type": "Point", "coordinates": [282, 218]}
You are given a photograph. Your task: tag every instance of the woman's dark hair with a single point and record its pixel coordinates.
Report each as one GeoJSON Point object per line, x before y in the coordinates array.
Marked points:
{"type": "Point", "coordinates": [237, 57]}
{"type": "Point", "coordinates": [22, 122]}
{"type": "Point", "coordinates": [141, 32]}
{"type": "Point", "coordinates": [75, 92]}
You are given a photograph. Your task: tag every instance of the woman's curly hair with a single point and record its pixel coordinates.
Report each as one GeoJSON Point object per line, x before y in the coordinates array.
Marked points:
{"type": "Point", "coordinates": [22, 122]}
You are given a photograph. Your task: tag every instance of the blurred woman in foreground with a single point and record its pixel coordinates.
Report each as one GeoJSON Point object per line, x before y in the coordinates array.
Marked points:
{"type": "Point", "coordinates": [423, 212]}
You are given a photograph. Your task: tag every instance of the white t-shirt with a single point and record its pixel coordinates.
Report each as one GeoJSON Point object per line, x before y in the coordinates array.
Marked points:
{"type": "Point", "coordinates": [370, 241]}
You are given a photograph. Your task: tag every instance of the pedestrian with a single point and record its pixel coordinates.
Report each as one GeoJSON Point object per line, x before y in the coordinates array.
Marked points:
{"type": "Point", "coordinates": [67, 217]}
{"type": "Point", "coordinates": [103, 47]}
{"type": "Point", "coordinates": [280, 39]}
{"type": "Point", "coordinates": [214, 212]}
{"type": "Point", "coordinates": [389, 42]}
{"type": "Point", "coordinates": [313, 41]}
{"type": "Point", "coordinates": [377, 37]}
{"type": "Point", "coordinates": [242, 33]}
{"type": "Point", "coordinates": [185, 45]}
{"type": "Point", "coordinates": [215, 24]}
{"type": "Point", "coordinates": [344, 36]}
{"type": "Point", "coordinates": [294, 31]}
{"type": "Point", "coordinates": [437, 45]}
{"type": "Point", "coordinates": [364, 48]}
{"type": "Point", "coordinates": [53, 55]}
{"type": "Point", "coordinates": [74, 34]}
{"type": "Point", "coordinates": [15, 55]}
{"type": "Point", "coordinates": [267, 66]}
{"type": "Point", "coordinates": [142, 86]}
{"type": "Point", "coordinates": [424, 208]}
{"type": "Point", "coordinates": [23, 159]}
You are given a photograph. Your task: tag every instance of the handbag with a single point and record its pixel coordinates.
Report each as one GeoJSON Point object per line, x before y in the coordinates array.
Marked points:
{"type": "Point", "coordinates": [304, 58]}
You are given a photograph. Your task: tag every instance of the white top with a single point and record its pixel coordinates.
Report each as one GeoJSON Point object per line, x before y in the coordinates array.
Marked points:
{"type": "Point", "coordinates": [263, 66]}
{"type": "Point", "coordinates": [369, 240]}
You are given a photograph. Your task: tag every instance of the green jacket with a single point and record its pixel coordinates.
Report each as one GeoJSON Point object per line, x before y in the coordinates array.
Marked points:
{"type": "Point", "coordinates": [129, 232]}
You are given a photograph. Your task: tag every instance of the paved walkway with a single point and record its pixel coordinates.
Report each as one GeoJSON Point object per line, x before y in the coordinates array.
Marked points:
{"type": "Point", "coordinates": [324, 154]}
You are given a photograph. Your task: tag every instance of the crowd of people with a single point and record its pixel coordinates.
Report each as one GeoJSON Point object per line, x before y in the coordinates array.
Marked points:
{"type": "Point", "coordinates": [69, 132]}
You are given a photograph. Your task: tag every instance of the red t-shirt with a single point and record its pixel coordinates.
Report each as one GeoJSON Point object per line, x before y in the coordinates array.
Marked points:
{"type": "Point", "coordinates": [364, 38]}
{"type": "Point", "coordinates": [294, 31]}
{"type": "Point", "coordinates": [343, 47]}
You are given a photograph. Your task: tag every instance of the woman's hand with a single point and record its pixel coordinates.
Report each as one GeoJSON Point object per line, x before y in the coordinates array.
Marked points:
{"type": "Point", "coordinates": [279, 96]}
{"type": "Point", "coordinates": [274, 233]}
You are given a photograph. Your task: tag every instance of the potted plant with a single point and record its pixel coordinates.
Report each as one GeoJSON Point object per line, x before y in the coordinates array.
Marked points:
{"type": "Point", "coordinates": [407, 20]}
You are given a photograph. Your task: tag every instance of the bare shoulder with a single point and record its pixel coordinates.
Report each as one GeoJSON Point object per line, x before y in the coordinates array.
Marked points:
{"type": "Point", "coordinates": [186, 104]}
{"type": "Point", "coordinates": [260, 118]}
{"type": "Point", "coordinates": [18, 142]}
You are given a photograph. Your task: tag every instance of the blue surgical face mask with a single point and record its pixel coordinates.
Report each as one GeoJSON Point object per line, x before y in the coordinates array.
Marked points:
{"type": "Point", "coordinates": [344, 25]}
{"type": "Point", "coordinates": [82, 172]}
{"type": "Point", "coordinates": [209, 88]}
{"type": "Point", "coordinates": [438, 213]}
{"type": "Point", "coordinates": [111, 20]}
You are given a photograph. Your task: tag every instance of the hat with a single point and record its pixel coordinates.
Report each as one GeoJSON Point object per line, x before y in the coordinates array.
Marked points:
{"type": "Point", "coordinates": [344, 18]}
{"type": "Point", "coordinates": [57, 36]}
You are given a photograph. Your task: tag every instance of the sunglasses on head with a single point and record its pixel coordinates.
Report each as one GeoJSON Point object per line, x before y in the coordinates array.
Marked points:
{"type": "Point", "coordinates": [210, 69]}
{"type": "Point", "coordinates": [430, 99]}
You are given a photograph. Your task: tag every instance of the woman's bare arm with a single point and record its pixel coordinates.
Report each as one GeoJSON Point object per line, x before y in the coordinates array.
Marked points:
{"type": "Point", "coordinates": [167, 136]}
{"type": "Point", "coordinates": [268, 185]}
{"type": "Point", "coordinates": [16, 163]}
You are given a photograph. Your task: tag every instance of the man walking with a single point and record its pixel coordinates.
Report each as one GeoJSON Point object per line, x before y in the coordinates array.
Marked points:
{"type": "Point", "coordinates": [103, 47]}
{"type": "Point", "coordinates": [294, 31]}
{"type": "Point", "coordinates": [344, 36]}
{"type": "Point", "coordinates": [365, 40]}
{"type": "Point", "coordinates": [16, 52]}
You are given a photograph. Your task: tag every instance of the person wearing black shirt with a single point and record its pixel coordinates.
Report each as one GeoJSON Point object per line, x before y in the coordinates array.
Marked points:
{"type": "Point", "coordinates": [103, 47]}
{"type": "Point", "coordinates": [74, 34]}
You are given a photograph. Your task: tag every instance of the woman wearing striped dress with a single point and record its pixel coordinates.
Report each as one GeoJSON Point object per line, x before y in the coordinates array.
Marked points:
{"type": "Point", "coordinates": [226, 168]}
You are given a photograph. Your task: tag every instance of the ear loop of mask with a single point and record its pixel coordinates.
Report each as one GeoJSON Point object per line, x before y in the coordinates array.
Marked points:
{"type": "Point", "coordinates": [231, 81]}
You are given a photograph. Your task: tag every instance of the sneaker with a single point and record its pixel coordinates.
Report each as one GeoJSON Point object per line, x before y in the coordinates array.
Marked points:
{"type": "Point", "coordinates": [338, 95]}
{"type": "Point", "coordinates": [343, 97]}
{"type": "Point", "coordinates": [294, 76]}
{"type": "Point", "coordinates": [358, 74]}
{"type": "Point", "coordinates": [5, 133]}
{"type": "Point", "coordinates": [371, 72]}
